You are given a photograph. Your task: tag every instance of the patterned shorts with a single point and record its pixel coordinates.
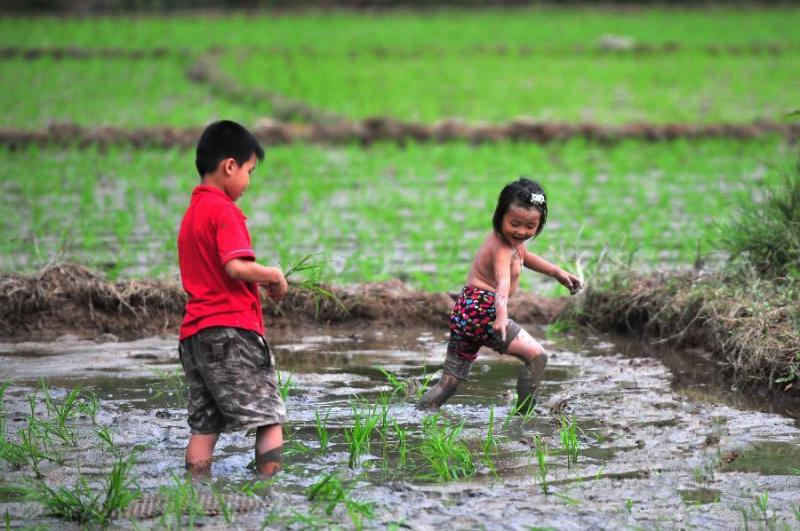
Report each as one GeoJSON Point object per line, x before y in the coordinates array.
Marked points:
{"type": "Point", "coordinates": [471, 324]}
{"type": "Point", "coordinates": [231, 377]}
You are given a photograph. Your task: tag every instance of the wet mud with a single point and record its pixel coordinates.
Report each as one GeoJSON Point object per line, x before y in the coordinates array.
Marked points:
{"type": "Point", "coordinates": [659, 447]}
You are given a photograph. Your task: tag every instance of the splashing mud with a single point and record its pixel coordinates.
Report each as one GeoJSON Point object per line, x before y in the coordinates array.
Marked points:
{"type": "Point", "coordinates": [657, 447]}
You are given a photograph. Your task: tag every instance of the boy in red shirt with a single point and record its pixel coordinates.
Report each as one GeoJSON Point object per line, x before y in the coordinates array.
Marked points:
{"type": "Point", "coordinates": [226, 359]}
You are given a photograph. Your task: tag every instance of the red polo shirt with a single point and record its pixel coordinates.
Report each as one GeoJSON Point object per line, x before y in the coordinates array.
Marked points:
{"type": "Point", "coordinates": [213, 232]}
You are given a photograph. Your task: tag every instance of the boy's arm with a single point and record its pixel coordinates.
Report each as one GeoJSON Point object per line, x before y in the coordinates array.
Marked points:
{"type": "Point", "coordinates": [540, 265]}
{"type": "Point", "coordinates": [251, 271]}
{"type": "Point", "coordinates": [502, 278]}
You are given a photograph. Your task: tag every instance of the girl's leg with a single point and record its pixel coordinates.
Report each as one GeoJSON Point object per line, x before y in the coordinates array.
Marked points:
{"type": "Point", "coordinates": [531, 353]}
{"type": "Point", "coordinates": [439, 393]}
{"type": "Point", "coordinates": [269, 445]}
{"type": "Point", "coordinates": [199, 453]}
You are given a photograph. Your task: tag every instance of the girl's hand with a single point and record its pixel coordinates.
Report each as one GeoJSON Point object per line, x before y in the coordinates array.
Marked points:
{"type": "Point", "coordinates": [499, 327]}
{"type": "Point", "coordinates": [569, 281]}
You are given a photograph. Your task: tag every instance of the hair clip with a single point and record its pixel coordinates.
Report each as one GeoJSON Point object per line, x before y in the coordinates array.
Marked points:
{"type": "Point", "coordinates": [536, 199]}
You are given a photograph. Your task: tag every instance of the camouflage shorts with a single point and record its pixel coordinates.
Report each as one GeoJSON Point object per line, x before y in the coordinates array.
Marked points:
{"type": "Point", "coordinates": [231, 377]}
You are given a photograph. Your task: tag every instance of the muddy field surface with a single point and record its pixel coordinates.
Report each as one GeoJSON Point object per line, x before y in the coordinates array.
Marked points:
{"type": "Point", "coordinates": [662, 444]}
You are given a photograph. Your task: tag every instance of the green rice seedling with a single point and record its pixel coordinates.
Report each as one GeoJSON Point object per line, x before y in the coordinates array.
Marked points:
{"type": "Point", "coordinates": [89, 405]}
{"type": "Point", "coordinates": [762, 504]}
{"type": "Point", "coordinates": [256, 487]}
{"type": "Point", "coordinates": [329, 492]}
{"type": "Point", "coordinates": [182, 504]}
{"type": "Point", "coordinates": [383, 414]}
{"type": "Point", "coordinates": [312, 270]}
{"type": "Point", "coordinates": [171, 383]}
{"type": "Point", "coordinates": [490, 443]}
{"type": "Point", "coordinates": [106, 437]}
{"type": "Point", "coordinates": [83, 504]}
{"type": "Point", "coordinates": [225, 508]}
{"type": "Point", "coordinates": [358, 437]}
{"type": "Point", "coordinates": [424, 384]}
{"type": "Point", "coordinates": [321, 425]}
{"type": "Point", "coordinates": [519, 410]}
{"type": "Point", "coordinates": [569, 439]}
{"type": "Point", "coordinates": [447, 455]}
{"type": "Point", "coordinates": [402, 443]}
{"type": "Point", "coordinates": [30, 450]}
{"type": "Point", "coordinates": [541, 449]}
{"type": "Point", "coordinates": [398, 385]}
{"type": "Point", "coordinates": [284, 388]}
{"type": "Point", "coordinates": [60, 411]}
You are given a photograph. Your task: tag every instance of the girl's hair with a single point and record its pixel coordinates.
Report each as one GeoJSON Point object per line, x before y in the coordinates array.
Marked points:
{"type": "Point", "coordinates": [523, 193]}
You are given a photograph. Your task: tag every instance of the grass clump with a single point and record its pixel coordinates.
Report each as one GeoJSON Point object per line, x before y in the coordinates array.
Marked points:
{"type": "Point", "coordinates": [766, 234]}
{"type": "Point", "coordinates": [85, 504]}
{"type": "Point", "coordinates": [330, 491]}
{"type": "Point", "coordinates": [746, 313]}
{"type": "Point", "coordinates": [447, 455]}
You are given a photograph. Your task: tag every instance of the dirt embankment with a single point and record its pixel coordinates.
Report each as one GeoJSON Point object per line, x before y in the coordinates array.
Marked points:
{"type": "Point", "coordinates": [70, 299]}
{"type": "Point", "coordinates": [371, 130]}
{"type": "Point", "coordinates": [751, 326]}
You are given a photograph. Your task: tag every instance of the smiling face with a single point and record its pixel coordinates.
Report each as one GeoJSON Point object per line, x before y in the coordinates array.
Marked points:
{"type": "Point", "coordinates": [237, 178]}
{"type": "Point", "coordinates": [520, 224]}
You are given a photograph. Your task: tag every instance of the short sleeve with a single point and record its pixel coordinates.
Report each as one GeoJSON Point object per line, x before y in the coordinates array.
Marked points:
{"type": "Point", "coordinates": [233, 239]}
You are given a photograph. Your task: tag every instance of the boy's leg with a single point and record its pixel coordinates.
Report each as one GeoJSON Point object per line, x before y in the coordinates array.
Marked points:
{"type": "Point", "coordinates": [269, 445]}
{"type": "Point", "coordinates": [199, 453]}
{"type": "Point", "coordinates": [531, 353]}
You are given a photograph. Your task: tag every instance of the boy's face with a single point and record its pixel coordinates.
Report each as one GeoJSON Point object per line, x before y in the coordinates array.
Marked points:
{"type": "Point", "coordinates": [237, 178]}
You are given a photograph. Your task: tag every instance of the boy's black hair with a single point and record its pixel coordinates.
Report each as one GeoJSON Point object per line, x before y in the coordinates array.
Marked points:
{"type": "Point", "coordinates": [522, 193]}
{"type": "Point", "coordinates": [222, 140]}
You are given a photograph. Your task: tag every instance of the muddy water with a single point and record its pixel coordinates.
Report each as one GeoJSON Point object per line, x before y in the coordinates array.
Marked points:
{"type": "Point", "coordinates": [663, 444]}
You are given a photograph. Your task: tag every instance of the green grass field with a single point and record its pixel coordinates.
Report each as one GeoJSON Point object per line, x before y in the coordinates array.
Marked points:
{"type": "Point", "coordinates": [411, 66]}
{"type": "Point", "coordinates": [416, 212]}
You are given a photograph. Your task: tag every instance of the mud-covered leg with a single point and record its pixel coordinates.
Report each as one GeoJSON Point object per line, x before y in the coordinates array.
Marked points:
{"type": "Point", "coordinates": [199, 452]}
{"type": "Point", "coordinates": [269, 449]}
{"type": "Point", "coordinates": [531, 353]}
{"type": "Point", "coordinates": [528, 382]}
{"type": "Point", "coordinates": [439, 393]}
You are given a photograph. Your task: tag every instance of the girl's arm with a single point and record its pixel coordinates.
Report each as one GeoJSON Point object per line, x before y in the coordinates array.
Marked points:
{"type": "Point", "coordinates": [502, 278]}
{"type": "Point", "coordinates": [540, 265]}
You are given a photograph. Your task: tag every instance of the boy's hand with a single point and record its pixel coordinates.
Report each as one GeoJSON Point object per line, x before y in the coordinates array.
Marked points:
{"type": "Point", "coordinates": [277, 290]}
{"type": "Point", "coordinates": [569, 281]}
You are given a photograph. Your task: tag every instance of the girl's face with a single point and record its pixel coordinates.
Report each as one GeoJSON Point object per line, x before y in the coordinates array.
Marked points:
{"type": "Point", "coordinates": [520, 224]}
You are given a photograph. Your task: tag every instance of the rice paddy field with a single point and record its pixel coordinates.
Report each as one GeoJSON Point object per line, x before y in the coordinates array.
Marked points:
{"type": "Point", "coordinates": [625, 435]}
{"type": "Point", "coordinates": [414, 211]}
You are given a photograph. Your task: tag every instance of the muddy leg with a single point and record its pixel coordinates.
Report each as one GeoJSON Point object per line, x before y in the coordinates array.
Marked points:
{"type": "Point", "coordinates": [269, 446]}
{"type": "Point", "coordinates": [199, 453]}
{"type": "Point", "coordinates": [528, 382]}
{"type": "Point", "coordinates": [439, 393]}
{"type": "Point", "coordinates": [531, 353]}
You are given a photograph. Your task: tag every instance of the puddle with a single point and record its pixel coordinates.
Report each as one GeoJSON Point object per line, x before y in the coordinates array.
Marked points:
{"type": "Point", "coordinates": [768, 458]}
{"type": "Point", "coordinates": [700, 496]}
{"type": "Point", "coordinates": [651, 454]}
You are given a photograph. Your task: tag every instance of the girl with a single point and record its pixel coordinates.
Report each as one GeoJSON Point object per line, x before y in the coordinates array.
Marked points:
{"type": "Point", "coordinates": [480, 314]}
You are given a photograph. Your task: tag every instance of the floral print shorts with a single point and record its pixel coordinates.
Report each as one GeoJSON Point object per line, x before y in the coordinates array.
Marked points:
{"type": "Point", "coordinates": [471, 324]}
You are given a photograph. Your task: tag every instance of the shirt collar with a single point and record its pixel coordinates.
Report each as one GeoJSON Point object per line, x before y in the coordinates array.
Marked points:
{"type": "Point", "coordinates": [205, 188]}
